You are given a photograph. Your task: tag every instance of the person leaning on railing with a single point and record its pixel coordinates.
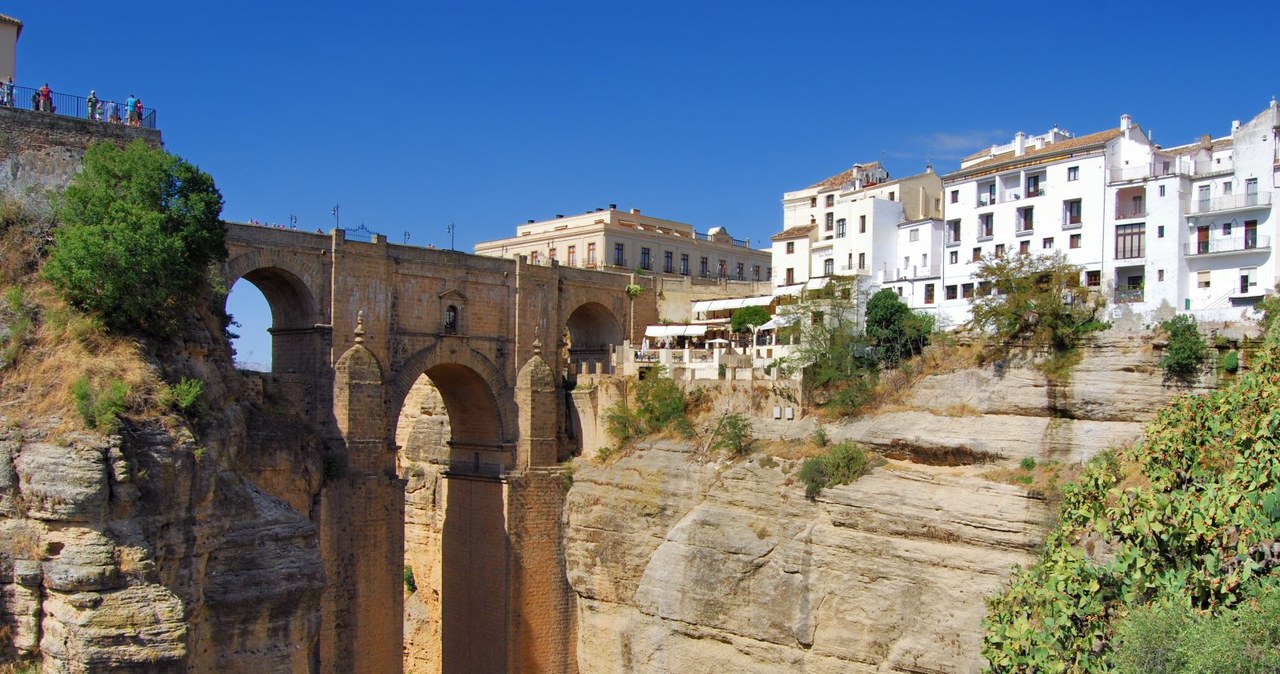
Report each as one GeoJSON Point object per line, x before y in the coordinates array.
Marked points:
{"type": "Point", "coordinates": [6, 93]}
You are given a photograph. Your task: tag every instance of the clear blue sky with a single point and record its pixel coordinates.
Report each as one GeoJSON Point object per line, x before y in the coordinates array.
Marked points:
{"type": "Point", "coordinates": [413, 115]}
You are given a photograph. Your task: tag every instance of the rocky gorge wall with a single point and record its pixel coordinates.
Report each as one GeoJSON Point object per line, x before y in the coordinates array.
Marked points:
{"type": "Point", "coordinates": [684, 562]}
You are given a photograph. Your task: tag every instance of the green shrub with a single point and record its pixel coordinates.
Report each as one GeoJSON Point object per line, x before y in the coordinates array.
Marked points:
{"type": "Point", "coordinates": [820, 437]}
{"type": "Point", "coordinates": [734, 434]}
{"type": "Point", "coordinates": [842, 464]}
{"type": "Point", "coordinates": [188, 397]}
{"type": "Point", "coordinates": [1231, 361]}
{"type": "Point", "coordinates": [1185, 356]}
{"type": "Point", "coordinates": [140, 228]}
{"type": "Point", "coordinates": [100, 410]}
{"type": "Point", "coordinates": [1027, 463]}
{"type": "Point", "coordinates": [409, 583]}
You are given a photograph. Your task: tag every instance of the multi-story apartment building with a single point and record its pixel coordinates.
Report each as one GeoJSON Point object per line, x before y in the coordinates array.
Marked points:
{"type": "Point", "coordinates": [1155, 230]}
{"type": "Point", "coordinates": [627, 241]}
{"type": "Point", "coordinates": [849, 224]}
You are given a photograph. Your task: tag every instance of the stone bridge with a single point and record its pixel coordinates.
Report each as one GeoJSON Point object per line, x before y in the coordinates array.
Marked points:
{"type": "Point", "coordinates": [354, 325]}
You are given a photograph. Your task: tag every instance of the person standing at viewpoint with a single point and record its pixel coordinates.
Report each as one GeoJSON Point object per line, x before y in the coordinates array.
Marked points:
{"type": "Point", "coordinates": [128, 108]}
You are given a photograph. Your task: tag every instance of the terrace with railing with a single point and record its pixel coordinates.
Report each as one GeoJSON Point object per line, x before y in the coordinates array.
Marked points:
{"type": "Point", "coordinates": [70, 105]}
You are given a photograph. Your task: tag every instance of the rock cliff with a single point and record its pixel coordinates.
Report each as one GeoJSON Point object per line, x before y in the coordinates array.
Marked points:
{"type": "Point", "coordinates": [683, 562]}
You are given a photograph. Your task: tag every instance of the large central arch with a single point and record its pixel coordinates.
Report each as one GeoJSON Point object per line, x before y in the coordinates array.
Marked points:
{"type": "Point", "coordinates": [593, 334]}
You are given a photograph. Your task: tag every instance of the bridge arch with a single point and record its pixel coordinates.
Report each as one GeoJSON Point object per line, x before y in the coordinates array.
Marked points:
{"type": "Point", "coordinates": [593, 331]}
{"type": "Point", "coordinates": [287, 284]}
{"type": "Point", "coordinates": [481, 411]}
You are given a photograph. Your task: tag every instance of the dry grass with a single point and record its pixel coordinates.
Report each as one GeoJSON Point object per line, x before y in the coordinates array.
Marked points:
{"type": "Point", "coordinates": [66, 345]}
{"type": "Point", "coordinates": [133, 561]}
{"type": "Point", "coordinates": [1046, 478]}
{"type": "Point", "coordinates": [23, 539]}
{"type": "Point", "coordinates": [961, 410]}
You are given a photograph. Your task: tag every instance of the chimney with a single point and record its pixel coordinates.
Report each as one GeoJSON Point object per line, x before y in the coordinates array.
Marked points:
{"type": "Point", "coordinates": [1019, 144]}
{"type": "Point", "coordinates": [1205, 140]}
{"type": "Point", "coordinates": [1235, 124]}
{"type": "Point", "coordinates": [635, 211]}
{"type": "Point", "coordinates": [613, 207]}
{"type": "Point", "coordinates": [1125, 122]}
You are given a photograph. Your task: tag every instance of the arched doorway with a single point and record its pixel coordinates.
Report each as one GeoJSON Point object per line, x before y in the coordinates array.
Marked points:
{"type": "Point", "coordinates": [451, 453]}
{"type": "Point", "coordinates": [593, 334]}
{"type": "Point", "coordinates": [295, 346]}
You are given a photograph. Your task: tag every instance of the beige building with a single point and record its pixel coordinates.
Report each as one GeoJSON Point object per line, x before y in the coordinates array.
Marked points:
{"type": "Point", "coordinates": [628, 241]}
{"type": "Point", "coordinates": [10, 29]}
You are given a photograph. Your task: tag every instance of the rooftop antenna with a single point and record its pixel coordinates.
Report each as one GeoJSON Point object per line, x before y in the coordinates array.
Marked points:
{"type": "Point", "coordinates": [450, 229]}
{"type": "Point", "coordinates": [337, 224]}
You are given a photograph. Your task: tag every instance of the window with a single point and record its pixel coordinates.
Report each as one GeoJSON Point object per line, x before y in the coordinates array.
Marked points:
{"type": "Point", "coordinates": [702, 267]}
{"type": "Point", "coordinates": [1047, 243]}
{"type": "Point", "coordinates": [722, 269]}
{"type": "Point", "coordinates": [533, 257]}
{"type": "Point", "coordinates": [667, 262]}
{"type": "Point", "coordinates": [1226, 187]}
{"type": "Point", "coordinates": [862, 224]}
{"type": "Point", "coordinates": [1226, 229]}
{"type": "Point", "coordinates": [955, 257]}
{"type": "Point", "coordinates": [1075, 241]}
{"type": "Point", "coordinates": [1162, 190]}
{"type": "Point", "coordinates": [552, 253]}
{"type": "Point", "coordinates": [684, 264]}
{"type": "Point", "coordinates": [966, 290]}
{"type": "Point", "coordinates": [1093, 279]}
{"type": "Point", "coordinates": [791, 276]}
{"type": "Point", "coordinates": [742, 276]}
{"type": "Point", "coordinates": [1160, 275]}
{"type": "Point", "coordinates": [831, 200]}
{"type": "Point", "coordinates": [619, 254]}
{"type": "Point", "coordinates": [573, 256]}
{"type": "Point", "coordinates": [1073, 173]}
{"type": "Point", "coordinates": [999, 251]}
{"type": "Point", "coordinates": [1026, 219]}
{"type": "Point", "coordinates": [1251, 192]}
{"type": "Point", "coordinates": [1202, 279]}
{"type": "Point", "coordinates": [955, 196]}
{"type": "Point", "coordinates": [1033, 186]}
{"type": "Point", "coordinates": [828, 267]}
{"type": "Point", "coordinates": [813, 202]}
{"type": "Point", "coordinates": [1024, 247]}
{"type": "Point", "coordinates": [1071, 211]}
{"type": "Point", "coordinates": [891, 195]}
{"type": "Point", "coordinates": [928, 293]}
{"type": "Point", "coordinates": [977, 254]}
{"type": "Point", "coordinates": [791, 246]}
{"type": "Point", "coordinates": [1160, 231]}
{"type": "Point", "coordinates": [924, 260]}
{"type": "Point", "coordinates": [1129, 241]}
{"type": "Point", "coordinates": [986, 225]}
{"type": "Point", "coordinates": [645, 262]}
{"type": "Point", "coordinates": [913, 235]}
{"type": "Point", "coordinates": [451, 320]}
{"type": "Point", "coordinates": [953, 231]}
{"type": "Point", "coordinates": [755, 272]}
{"type": "Point", "coordinates": [862, 260]}
{"type": "Point", "coordinates": [952, 292]}
{"type": "Point", "coordinates": [840, 228]}
{"type": "Point", "coordinates": [591, 255]}
{"type": "Point", "coordinates": [831, 220]}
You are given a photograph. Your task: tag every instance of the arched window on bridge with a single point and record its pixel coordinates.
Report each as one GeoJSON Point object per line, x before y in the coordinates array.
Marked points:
{"type": "Point", "coordinates": [451, 320]}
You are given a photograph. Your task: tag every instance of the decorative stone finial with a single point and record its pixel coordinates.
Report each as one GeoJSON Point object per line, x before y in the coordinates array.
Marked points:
{"type": "Point", "coordinates": [360, 327]}
{"type": "Point", "coordinates": [537, 346]}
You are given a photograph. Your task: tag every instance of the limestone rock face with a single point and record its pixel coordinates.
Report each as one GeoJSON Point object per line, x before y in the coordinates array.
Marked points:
{"type": "Point", "coordinates": [683, 566]}
{"type": "Point", "coordinates": [684, 563]}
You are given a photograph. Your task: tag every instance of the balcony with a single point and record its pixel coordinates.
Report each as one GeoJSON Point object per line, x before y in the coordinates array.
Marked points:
{"type": "Point", "coordinates": [985, 200]}
{"type": "Point", "coordinates": [1130, 212]}
{"type": "Point", "coordinates": [1072, 222]}
{"type": "Point", "coordinates": [1208, 167]}
{"type": "Point", "coordinates": [1235, 244]}
{"type": "Point", "coordinates": [1037, 192]}
{"type": "Point", "coordinates": [1128, 173]}
{"type": "Point", "coordinates": [1024, 227]}
{"type": "Point", "coordinates": [916, 271]}
{"type": "Point", "coordinates": [1232, 202]}
{"type": "Point", "coordinates": [1128, 295]}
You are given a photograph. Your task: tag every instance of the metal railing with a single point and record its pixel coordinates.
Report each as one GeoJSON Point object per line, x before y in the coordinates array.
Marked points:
{"type": "Point", "coordinates": [1229, 244]}
{"type": "Point", "coordinates": [1228, 203]}
{"type": "Point", "coordinates": [917, 271]}
{"type": "Point", "coordinates": [1128, 295]}
{"type": "Point", "coordinates": [1127, 212]}
{"type": "Point", "coordinates": [70, 105]}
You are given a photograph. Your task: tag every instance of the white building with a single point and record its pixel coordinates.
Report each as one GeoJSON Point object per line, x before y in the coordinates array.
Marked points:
{"type": "Point", "coordinates": [848, 225]}
{"type": "Point", "coordinates": [1156, 230]}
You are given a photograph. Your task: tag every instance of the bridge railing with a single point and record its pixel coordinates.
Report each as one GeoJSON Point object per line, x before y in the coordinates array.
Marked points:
{"type": "Point", "coordinates": [70, 105]}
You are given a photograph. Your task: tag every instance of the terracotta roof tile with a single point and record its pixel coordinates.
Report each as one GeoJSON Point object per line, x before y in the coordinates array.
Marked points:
{"type": "Point", "coordinates": [1047, 152]}
{"type": "Point", "coordinates": [794, 233]}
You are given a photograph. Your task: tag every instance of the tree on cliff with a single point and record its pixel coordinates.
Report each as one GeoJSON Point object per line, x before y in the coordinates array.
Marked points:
{"type": "Point", "coordinates": [899, 332]}
{"type": "Point", "coordinates": [139, 229]}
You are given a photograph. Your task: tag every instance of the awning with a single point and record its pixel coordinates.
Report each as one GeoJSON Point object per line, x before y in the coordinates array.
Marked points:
{"type": "Point", "coordinates": [675, 330]}
{"type": "Point", "coordinates": [795, 288]}
{"type": "Point", "coordinates": [703, 306]}
{"type": "Point", "coordinates": [777, 322]}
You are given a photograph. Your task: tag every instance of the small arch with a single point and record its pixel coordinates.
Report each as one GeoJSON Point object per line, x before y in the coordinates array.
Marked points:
{"type": "Point", "coordinates": [594, 332]}
{"type": "Point", "coordinates": [451, 319]}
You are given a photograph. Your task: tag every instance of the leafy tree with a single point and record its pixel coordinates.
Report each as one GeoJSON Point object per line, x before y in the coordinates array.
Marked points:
{"type": "Point", "coordinates": [140, 227]}
{"type": "Point", "coordinates": [748, 317]}
{"type": "Point", "coordinates": [831, 347]}
{"type": "Point", "coordinates": [896, 329]}
{"type": "Point", "coordinates": [1035, 298]}
{"type": "Point", "coordinates": [734, 434]}
{"type": "Point", "coordinates": [1186, 353]}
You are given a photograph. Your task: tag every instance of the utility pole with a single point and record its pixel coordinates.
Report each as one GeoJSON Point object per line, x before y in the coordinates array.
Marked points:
{"type": "Point", "coordinates": [337, 224]}
{"type": "Point", "coordinates": [450, 229]}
